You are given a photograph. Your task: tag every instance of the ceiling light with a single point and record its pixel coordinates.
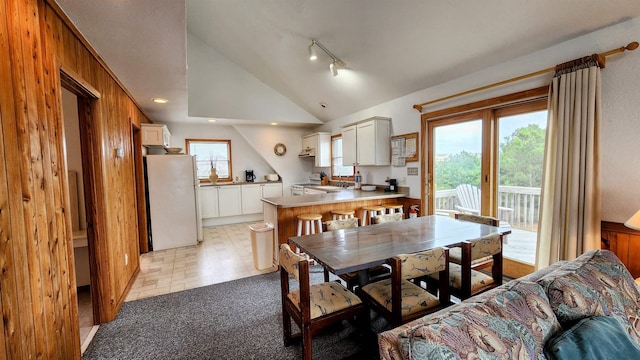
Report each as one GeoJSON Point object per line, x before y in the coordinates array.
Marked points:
{"type": "Point", "coordinates": [333, 66]}
{"type": "Point", "coordinates": [211, 120]}
{"type": "Point", "coordinates": [312, 51]}
{"type": "Point", "coordinates": [160, 100]}
{"type": "Point", "coordinates": [274, 123]}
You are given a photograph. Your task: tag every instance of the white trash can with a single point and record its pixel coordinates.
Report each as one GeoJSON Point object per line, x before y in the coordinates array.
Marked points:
{"type": "Point", "coordinates": [262, 245]}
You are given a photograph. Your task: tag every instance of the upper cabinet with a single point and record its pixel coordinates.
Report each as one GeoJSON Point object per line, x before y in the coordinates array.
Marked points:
{"type": "Point", "coordinates": [367, 142]}
{"type": "Point", "coordinates": [155, 135]}
{"type": "Point", "coordinates": [317, 146]}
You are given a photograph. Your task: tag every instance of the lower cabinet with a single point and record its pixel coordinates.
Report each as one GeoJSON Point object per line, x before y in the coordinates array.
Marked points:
{"type": "Point", "coordinates": [253, 193]}
{"type": "Point", "coordinates": [233, 200]}
{"type": "Point", "coordinates": [217, 201]}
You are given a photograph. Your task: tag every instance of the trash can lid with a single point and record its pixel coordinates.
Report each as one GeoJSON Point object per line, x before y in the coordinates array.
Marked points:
{"type": "Point", "coordinates": [260, 227]}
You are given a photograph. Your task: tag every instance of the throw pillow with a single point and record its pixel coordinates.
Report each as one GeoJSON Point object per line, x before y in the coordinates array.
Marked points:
{"type": "Point", "coordinates": [597, 337]}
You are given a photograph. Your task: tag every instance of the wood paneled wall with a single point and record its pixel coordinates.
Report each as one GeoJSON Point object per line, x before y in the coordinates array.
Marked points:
{"type": "Point", "coordinates": [37, 279]}
{"type": "Point", "coordinates": [625, 243]}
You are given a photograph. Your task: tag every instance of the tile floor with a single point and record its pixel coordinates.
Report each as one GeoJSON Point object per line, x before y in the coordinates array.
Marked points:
{"type": "Point", "coordinates": [224, 255]}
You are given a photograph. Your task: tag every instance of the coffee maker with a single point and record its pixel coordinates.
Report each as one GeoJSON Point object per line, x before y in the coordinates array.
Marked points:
{"type": "Point", "coordinates": [249, 177]}
{"type": "Point", "coordinates": [393, 185]}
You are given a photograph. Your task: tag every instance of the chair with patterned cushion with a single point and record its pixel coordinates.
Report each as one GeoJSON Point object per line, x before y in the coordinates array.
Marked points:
{"type": "Point", "coordinates": [399, 299]}
{"type": "Point", "coordinates": [455, 253]}
{"type": "Point", "coordinates": [313, 307]}
{"type": "Point", "coordinates": [352, 279]}
{"type": "Point", "coordinates": [465, 282]}
{"type": "Point", "coordinates": [385, 218]}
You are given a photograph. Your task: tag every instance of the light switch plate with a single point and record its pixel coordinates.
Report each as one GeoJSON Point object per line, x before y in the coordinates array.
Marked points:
{"type": "Point", "coordinates": [412, 171]}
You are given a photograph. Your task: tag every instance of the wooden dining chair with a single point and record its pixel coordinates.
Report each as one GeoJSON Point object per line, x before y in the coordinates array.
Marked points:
{"type": "Point", "coordinates": [400, 300]}
{"type": "Point", "coordinates": [455, 253]}
{"type": "Point", "coordinates": [313, 307]}
{"type": "Point", "coordinates": [465, 282]}
{"type": "Point", "coordinates": [352, 278]}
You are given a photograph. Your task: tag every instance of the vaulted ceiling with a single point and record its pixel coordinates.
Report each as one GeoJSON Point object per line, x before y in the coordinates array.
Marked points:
{"type": "Point", "coordinates": [246, 61]}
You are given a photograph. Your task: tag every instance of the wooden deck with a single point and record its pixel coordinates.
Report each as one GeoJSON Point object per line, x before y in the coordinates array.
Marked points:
{"type": "Point", "coordinates": [521, 245]}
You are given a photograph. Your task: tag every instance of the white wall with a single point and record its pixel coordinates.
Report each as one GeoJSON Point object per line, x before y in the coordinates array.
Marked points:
{"type": "Point", "coordinates": [620, 127]}
{"type": "Point", "coordinates": [252, 149]}
{"type": "Point", "coordinates": [245, 97]}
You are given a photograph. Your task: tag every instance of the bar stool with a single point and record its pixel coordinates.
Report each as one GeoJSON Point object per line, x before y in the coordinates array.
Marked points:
{"type": "Point", "coordinates": [342, 214]}
{"type": "Point", "coordinates": [370, 212]}
{"type": "Point", "coordinates": [394, 208]}
{"type": "Point", "coordinates": [309, 221]}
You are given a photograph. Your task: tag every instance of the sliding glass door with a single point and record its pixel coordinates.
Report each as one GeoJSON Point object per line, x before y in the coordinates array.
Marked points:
{"type": "Point", "coordinates": [489, 162]}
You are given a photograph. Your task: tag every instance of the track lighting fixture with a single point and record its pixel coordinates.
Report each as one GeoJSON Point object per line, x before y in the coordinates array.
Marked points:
{"type": "Point", "coordinates": [332, 68]}
{"type": "Point", "coordinates": [336, 62]}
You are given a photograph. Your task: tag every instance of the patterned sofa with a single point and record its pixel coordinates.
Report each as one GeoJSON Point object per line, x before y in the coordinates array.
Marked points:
{"type": "Point", "coordinates": [517, 319]}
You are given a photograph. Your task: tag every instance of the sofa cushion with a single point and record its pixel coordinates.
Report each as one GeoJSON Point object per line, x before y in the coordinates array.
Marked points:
{"type": "Point", "coordinates": [514, 323]}
{"type": "Point", "coordinates": [596, 283]}
{"type": "Point", "coordinates": [598, 337]}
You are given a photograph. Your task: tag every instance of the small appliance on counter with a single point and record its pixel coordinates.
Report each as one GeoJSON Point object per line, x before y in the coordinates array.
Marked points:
{"type": "Point", "coordinates": [393, 185]}
{"type": "Point", "coordinates": [249, 176]}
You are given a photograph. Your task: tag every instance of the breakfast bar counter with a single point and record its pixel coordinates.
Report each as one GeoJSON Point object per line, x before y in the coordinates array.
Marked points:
{"type": "Point", "coordinates": [282, 211]}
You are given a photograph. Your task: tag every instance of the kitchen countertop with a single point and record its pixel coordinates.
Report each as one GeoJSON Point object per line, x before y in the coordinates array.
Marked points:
{"type": "Point", "coordinates": [240, 183]}
{"type": "Point", "coordinates": [331, 197]}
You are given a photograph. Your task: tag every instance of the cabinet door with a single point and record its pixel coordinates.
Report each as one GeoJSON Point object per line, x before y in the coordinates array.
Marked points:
{"type": "Point", "coordinates": [251, 195]}
{"type": "Point", "coordinates": [271, 190]}
{"type": "Point", "coordinates": [152, 135]}
{"type": "Point", "coordinates": [366, 143]}
{"type": "Point", "coordinates": [229, 200]}
{"type": "Point", "coordinates": [309, 142]}
{"type": "Point", "coordinates": [323, 150]}
{"type": "Point", "coordinates": [349, 149]}
{"type": "Point", "coordinates": [208, 202]}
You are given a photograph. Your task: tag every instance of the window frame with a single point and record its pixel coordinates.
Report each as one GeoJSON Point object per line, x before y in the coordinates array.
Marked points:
{"type": "Point", "coordinates": [337, 177]}
{"type": "Point", "coordinates": [228, 178]}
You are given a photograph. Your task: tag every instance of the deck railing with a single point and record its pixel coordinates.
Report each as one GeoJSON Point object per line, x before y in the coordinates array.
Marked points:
{"type": "Point", "coordinates": [524, 202]}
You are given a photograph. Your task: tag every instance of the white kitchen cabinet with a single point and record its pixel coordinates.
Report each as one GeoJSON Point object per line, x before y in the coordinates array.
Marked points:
{"type": "Point", "coordinates": [155, 135]}
{"type": "Point", "coordinates": [229, 200]}
{"type": "Point", "coordinates": [218, 201]}
{"type": "Point", "coordinates": [253, 193]}
{"type": "Point", "coordinates": [209, 202]}
{"type": "Point", "coordinates": [321, 142]}
{"type": "Point", "coordinates": [367, 142]}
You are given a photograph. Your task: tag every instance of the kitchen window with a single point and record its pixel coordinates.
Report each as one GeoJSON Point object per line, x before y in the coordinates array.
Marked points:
{"type": "Point", "coordinates": [211, 154]}
{"type": "Point", "coordinates": [338, 170]}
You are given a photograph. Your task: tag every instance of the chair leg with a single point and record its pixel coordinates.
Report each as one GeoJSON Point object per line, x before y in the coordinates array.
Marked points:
{"type": "Point", "coordinates": [307, 346]}
{"type": "Point", "coordinates": [286, 327]}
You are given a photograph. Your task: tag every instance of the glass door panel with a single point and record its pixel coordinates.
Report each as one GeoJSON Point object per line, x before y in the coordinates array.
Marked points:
{"type": "Point", "coordinates": [457, 167]}
{"type": "Point", "coordinates": [520, 156]}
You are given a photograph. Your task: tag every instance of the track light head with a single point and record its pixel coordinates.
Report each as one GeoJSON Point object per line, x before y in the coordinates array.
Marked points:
{"type": "Point", "coordinates": [312, 51]}
{"type": "Point", "coordinates": [333, 68]}
{"type": "Point", "coordinates": [336, 62]}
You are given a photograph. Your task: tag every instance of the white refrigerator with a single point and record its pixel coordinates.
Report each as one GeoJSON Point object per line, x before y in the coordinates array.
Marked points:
{"type": "Point", "coordinates": [172, 199]}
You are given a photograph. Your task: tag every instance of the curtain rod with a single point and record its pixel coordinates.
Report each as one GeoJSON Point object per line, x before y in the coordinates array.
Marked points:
{"type": "Point", "coordinates": [631, 46]}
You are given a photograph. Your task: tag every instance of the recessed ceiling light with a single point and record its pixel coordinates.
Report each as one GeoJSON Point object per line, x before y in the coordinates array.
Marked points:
{"type": "Point", "coordinates": [274, 123]}
{"type": "Point", "coordinates": [211, 120]}
{"type": "Point", "coordinates": [160, 100]}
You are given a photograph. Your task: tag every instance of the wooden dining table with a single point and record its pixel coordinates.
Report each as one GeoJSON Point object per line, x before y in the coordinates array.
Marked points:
{"type": "Point", "coordinates": [361, 248]}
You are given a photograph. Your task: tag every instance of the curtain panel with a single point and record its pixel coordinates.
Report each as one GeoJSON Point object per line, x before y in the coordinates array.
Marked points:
{"type": "Point", "coordinates": [570, 198]}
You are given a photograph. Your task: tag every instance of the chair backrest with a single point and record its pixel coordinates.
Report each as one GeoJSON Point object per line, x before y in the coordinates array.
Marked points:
{"type": "Point", "coordinates": [480, 219]}
{"type": "Point", "coordinates": [488, 245]}
{"type": "Point", "coordinates": [381, 219]}
{"type": "Point", "coordinates": [342, 224]}
{"type": "Point", "coordinates": [469, 196]}
{"type": "Point", "coordinates": [290, 261]}
{"type": "Point", "coordinates": [422, 263]}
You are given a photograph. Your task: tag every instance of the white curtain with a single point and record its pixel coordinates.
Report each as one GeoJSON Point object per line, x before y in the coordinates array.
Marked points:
{"type": "Point", "coordinates": [570, 199]}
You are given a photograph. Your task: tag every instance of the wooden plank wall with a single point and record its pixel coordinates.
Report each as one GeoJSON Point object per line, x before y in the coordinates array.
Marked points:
{"type": "Point", "coordinates": [624, 242]}
{"type": "Point", "coordinates": [37, 279]}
